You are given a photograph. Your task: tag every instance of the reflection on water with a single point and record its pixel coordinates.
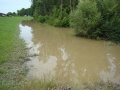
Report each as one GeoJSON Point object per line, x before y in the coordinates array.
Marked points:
{"type": "Point", "coordinates": [111, 74]}
{"type": "Point", "coordinates": [58, 54]}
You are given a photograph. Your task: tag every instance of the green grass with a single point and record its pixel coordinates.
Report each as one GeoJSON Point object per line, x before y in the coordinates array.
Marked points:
{"type": "Point", "coordinates": [8, 27]}
{"type": "Point", "coordinates": [29, 85]}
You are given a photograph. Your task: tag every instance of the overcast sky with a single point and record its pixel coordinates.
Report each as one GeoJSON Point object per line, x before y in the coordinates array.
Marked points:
{"type": "Point", "coordinates": [13, 5]}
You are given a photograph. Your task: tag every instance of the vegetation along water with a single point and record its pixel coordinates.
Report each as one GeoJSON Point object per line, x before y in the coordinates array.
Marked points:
{"type": "Point", "coordinates": [11, 51]}
{"type": "Point", "coordinates": [96, 19]}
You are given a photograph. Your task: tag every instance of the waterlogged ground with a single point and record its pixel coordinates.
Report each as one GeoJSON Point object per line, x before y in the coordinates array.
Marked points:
{"type": "Point", "coordinates": [55, 53]}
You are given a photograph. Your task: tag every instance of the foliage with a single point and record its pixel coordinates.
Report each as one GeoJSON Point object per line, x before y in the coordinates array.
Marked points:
{"type": "Point", "coordinates": [57, 22]}
{"type": "Point", "coordinates": [55, 10]}
{"type": "Point", "coordinates": [11, 14]}
{"type": "Point", "coordinates": [85, 19]}
{"type": "Point", "coordinates": [41, 19]}
{"type": "Point", "coordinates": [98, 38]}
{"type": "Point", "coordinates": [60, 19]}
{"type": "Point", "coordinates": [97, 18]}
{"type": "Point", "coordinates": [65, 22]}
{"type": "Point", "coordinates": [23, 12]}
{"type": "Point", "coordinates": [110, 19]}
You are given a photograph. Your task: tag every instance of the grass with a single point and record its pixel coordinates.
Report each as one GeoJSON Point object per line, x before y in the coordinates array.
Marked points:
{"type": "Point", "coordinates": [31, 85]}
{"type": "Point", "coordinates": [11, 49]}
{"type": "Point", "coordinates": [8, 27]}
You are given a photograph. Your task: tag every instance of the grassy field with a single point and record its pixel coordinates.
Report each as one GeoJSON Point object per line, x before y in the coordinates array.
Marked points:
{"type": "Point", "coordinates": [8, 27]}
{"type": "Point", "coordinates": [11, 48]}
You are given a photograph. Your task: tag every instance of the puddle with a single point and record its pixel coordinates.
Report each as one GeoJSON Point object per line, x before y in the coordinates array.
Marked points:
{"type": "Point", "coordinates": [58, 54]}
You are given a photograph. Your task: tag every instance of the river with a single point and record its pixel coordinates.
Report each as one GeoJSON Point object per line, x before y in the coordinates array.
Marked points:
{"type": "Point", "coordinates": [56, 53]}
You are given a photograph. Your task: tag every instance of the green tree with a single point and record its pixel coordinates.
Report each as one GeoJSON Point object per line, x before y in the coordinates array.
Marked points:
{"type": "Point", "coordinates": [9, 14]}
{"type": "Point", "coordinates": [110, 19]}
{"type": "Point", "coordinates": [85, 19]}
{"type": "Point", "coordinates": [55, 10]}
{"type": "Point", "coordinates": [14, 14]}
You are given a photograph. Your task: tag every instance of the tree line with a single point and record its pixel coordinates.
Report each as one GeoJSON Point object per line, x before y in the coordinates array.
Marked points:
{"type": "Point", "coordinates": [97, 19]}
{"type": "Point", "coordinates": [53, 12]}
{"type": "Point", "coordinates": [25, 12]}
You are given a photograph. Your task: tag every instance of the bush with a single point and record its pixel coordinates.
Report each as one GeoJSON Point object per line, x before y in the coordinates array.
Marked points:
{"type": "Point", "coordinates": [58, 18]}
{"type": "Point", "coordinates": [97, 18]}
{"type": "Point", "coordinates": [110, 19]}
{"type": "Point", "coordinates": [41, 19]}
{"type": "Point", "coordinates": [57, 22]}
{"type": "Point", "coordinates": [65, 22]}
{"type": "Point", "coordinates": [85, 19]}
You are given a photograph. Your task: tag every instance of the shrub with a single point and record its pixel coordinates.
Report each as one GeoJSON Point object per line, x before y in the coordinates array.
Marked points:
{"type": "Point", "coordinates": [85, 19]}
{"type": "Point", "coordinates": [58, 18]}
{"type": "Point", "coordinates": [41, 19]}
{"type": "Point", "coordinates": [98, 38]}
{"type": "Point", "coordinates": [110, 19]}
{"type": "Point", "coordinates": [65, 22]}
{"type": "Point", "coordinates": [97, 18]}
{"type": "Point", "coordinates": [57, 22]}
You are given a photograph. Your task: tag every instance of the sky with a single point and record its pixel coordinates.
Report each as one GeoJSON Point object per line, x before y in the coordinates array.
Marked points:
{"type": "Point", "coordinates": [13, 5]}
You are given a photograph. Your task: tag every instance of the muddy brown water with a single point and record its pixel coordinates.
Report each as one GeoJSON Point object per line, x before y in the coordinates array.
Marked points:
{"type": "Point", "coordinates": [56, 53]}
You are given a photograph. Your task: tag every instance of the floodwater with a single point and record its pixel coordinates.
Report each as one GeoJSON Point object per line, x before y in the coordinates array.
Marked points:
{"type": "Point", "coordinates": [56, 53]}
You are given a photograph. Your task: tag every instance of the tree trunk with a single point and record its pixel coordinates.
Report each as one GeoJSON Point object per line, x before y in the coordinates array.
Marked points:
{"type": "Point", "coordinates": [44, 9]}
{"type": "Point", "coordinates": [70, 6]}
{"type": "Point", "coordinates": [61, 6]}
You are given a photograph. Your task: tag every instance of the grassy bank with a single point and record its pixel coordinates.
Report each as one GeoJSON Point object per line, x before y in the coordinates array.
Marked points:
{"type": "Point", "coordinates": [12, 51]}
{"type": "Point", "coordinates": [13, 54]}
{"type": "Point", "coordinates": [8, 30]}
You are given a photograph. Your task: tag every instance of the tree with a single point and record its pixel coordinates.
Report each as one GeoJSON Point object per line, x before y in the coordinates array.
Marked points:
{"type": "Point", "coordinates": [85, 19]}
{"type": "Point", "coordinates": [14, 14]}
{"type": "Point", "coordinates": [9, 14]}
{"type": "Point", "coordinates": [97, 18]}
{"type": "Point", "coordinates": [24, 12]}
{"type": "Point", "coordinates": [55, 10]}
{"type": "Point", "coordinates": [110, 19]}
